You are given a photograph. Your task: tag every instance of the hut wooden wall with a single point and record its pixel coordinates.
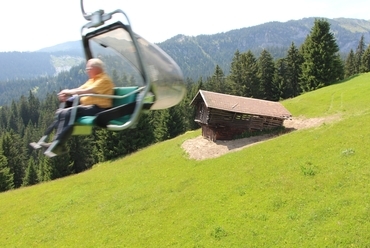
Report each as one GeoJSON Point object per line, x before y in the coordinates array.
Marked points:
{"type": "Point", "coordinates": [225, 125]}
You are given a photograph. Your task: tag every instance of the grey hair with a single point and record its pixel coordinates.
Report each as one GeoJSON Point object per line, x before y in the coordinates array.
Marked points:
{"type": "Point", "coordinates": [96, 63]}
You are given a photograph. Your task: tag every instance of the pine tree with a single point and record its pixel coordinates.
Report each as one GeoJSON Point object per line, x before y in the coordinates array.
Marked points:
{"type": "Point", "coordinates": [358, 54]}
{"type": "Point", "coordinates": [266, 72]}
{"type": "Point", "coordinates": [142, 135]}
{"type": "Point", "coordinates": [350, 66]}
{"type": "Point", "coordinates": [14, 120]}
{"type": "Point", "coordinates": [3, 119]}
{"type": "Point", "coordinates": [251, 85]}
{"type": "Point", "coordinates": [159, 122]}
{"type": "Point", "coordinates": [113, 144]}
{"type": "Point", "coordinates": [366, 60]}
{"type": "Point", "coordinates": [321, 59]}
{"type": "Point", "coordinates": [189, 111]}
{"type": "Point", "coordinates": [30, 177]}
{"type": "Point", "coordinates": [24, 110]}
{"type": "Point", "coordinates": [294, 61]}
{"type": "Point", "coordinates": [6, 177]}
{"type": "Point", "coordinates": [34, 107]}
{"type": "Point", "coordinates": [243, 73]}
{"type": "Point", "coordinates": [236, 72]}
{"type": "Point", "coordinates": [14, 150]}
{"type": "Point", "coordinates": [176, 121]}
{"type": "Point", "coordinates": [81, 157]}
{"type": "Point", "coordinates": [280, 79]}
{"type": "Point", "coordinates": [338, 67]}
{"type": "Point", "coordinates": [108, 145]}
{"type": "Point", "coordinates": [217, 82]}
{"type": "Point", "coordinates": [44, 168]}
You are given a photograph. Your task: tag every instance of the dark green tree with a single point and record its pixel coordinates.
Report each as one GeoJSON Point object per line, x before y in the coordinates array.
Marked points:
{"type": "Point", "coordinates": [266, 72]}
{"type": "Point", "coordinates": [189, 110]}
{"type": "Point", "coordinates": [281, 78]}
{"type": "Point", "coordinates": [350, 65]}
{"type": "Point", "coordinates": [104, 145]}
{"type": "Point", "coordinates": [30, 177]}
{"type": "Point", "coordinates": [34, 107]}
{"type": "Point", "coordinates": [322, 65]}
{"type": "Point", "coordinates": [24, 110]}
{"type": "Point", "coordinates": [251, 85]}
{"type": "Point", "coordinates": [294, 61]}
{"type": "Point", "coordinates": [358, 54]}
{"type": "Point", "coordinates": [236, 73]}
{"type": "Point", "coordinates": [142, 135]}
{"type": "Point", "coordinates": [176, 123]}
{"type": "Point", "coordinates": [44, 168]}
{"type": "Point", "coordinates": [243, 73]}
{"type": "Point", "coordinates": [216, 83]}
{"type": "Point", "coordinates": [114, 144]}
{"type": "Point", "coordinates": [6, 177]}
{"type": "Point", "coordinates": [14, 120]}
{"type": "Point", "coordinates": [366, 60]}
{"type": "Point", "coordinates": [81, 157]}
{"type": "Point", "coordinates": [14, 150]}
{"type": "Point", "coordinates": [159, 121]}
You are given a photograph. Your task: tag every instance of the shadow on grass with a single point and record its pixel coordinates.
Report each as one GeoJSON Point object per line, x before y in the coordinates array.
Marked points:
{"type": "Point", "coordinates": [248, 139]}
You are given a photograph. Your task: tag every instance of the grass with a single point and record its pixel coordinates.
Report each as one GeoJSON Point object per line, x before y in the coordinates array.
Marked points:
{"type": "Point", "coordinates": [307, 188]}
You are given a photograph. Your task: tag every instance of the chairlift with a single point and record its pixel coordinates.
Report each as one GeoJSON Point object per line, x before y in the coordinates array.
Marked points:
{"type": "Point", "coordinates": [156, 80]}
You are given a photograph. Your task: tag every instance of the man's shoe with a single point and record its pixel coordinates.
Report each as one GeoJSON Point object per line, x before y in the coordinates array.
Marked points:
{"type": "Point", "coordinates": [56, 151]}
{"type": "Point", "coordinates": [45, 145]}
{"type": "Point", "coordinates": [35, 145]}
{"type": "Point", "coordinates": [39, 145]}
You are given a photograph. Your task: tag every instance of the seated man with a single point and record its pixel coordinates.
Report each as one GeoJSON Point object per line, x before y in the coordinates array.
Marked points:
{"type": "Point", "coordinates": [99, 83]}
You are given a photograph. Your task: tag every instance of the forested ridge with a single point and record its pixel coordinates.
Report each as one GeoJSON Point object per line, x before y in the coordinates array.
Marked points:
{"type": "Point", "coordinates": [19, 65]}
{"type": "Point", "coordinates": [313, 65]}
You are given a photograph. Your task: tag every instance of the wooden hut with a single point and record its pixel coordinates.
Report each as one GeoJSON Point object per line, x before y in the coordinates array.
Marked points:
{"type": "Point", "coordinates": [224, 117]}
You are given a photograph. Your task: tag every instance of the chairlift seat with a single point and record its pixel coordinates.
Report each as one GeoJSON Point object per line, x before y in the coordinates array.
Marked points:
{"type": "Point", "coordinates": [83, 125]}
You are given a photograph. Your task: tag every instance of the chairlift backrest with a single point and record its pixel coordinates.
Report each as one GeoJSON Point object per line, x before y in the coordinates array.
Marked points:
{"type": "Point", "coordinates": [143, 63]}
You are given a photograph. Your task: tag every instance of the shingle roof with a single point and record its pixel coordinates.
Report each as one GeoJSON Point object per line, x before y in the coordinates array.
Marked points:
{"type": "Point", "coordinates": [242, 105]}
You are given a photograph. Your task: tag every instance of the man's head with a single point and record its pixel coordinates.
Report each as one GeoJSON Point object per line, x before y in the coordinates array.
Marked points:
{"type": "Point", "coordinates": [94, 67]}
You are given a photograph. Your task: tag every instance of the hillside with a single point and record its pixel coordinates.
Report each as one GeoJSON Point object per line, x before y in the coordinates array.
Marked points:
{"type": "Point", "coordinates": [197, 56]}
{"type": "Point", "coordinates": [305, 188]}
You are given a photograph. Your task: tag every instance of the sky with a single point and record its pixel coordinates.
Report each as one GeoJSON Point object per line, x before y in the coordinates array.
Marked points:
{"type": "Point", "coordinates": [30, 25]}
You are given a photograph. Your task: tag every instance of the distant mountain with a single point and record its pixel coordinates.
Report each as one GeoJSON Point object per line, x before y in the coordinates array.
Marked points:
{"type": "Point", "coordinates": [198, 56]}
{"type": "Point", "coordinates": [74, 48]}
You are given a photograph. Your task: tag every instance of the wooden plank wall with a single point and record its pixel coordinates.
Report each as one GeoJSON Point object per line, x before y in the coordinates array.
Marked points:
{"type": "Point", "coordinates": [224, 125]}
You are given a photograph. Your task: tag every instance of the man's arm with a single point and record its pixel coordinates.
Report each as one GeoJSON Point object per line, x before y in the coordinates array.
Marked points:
{"type": "Point", "coordinates": [77, 91]}
{"type": "Point", "coordinates": [66, 93]}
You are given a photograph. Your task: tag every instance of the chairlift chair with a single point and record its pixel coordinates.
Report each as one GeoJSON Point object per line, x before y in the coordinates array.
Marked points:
{"type": "Point", "coordinates": [158, 79]}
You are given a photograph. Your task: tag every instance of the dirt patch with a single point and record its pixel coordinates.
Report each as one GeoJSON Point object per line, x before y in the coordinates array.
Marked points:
{"type": "Point", "coordinates": [201, 148]}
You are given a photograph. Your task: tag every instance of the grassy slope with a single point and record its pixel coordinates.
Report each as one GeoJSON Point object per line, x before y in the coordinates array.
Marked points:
{"type": "Point", "coordinates": [307, 188]}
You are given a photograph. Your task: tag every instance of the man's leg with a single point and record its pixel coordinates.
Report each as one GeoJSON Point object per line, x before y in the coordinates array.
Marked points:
{"type": "Point", "coordinates": [64, 130]}
{"type": "Point", "coordinates": [48, 131]}
{"type": "Point", "coordinates": [62, 122]}
{"type": "Point", "coordinates": [65, 114]}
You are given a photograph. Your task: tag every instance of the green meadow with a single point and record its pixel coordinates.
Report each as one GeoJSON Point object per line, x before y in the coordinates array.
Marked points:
{"type": "Point", "coordinates": [305, 188]}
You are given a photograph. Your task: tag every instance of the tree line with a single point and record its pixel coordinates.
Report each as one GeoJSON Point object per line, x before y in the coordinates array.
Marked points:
{"type": "Point", "coordinates": [315, 64]}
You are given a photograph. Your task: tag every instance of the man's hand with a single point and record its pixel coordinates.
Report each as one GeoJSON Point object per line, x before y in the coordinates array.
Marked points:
{"type": "Point", "coordinates": [64, 95]}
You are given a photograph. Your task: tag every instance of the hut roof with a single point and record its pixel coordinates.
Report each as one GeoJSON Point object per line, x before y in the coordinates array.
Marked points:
{"type": "Point", "coordinates": [242, 105]}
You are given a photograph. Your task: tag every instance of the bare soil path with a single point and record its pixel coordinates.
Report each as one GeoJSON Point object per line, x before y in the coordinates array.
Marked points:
{"type": "Point", "coordinates": [201, 148]}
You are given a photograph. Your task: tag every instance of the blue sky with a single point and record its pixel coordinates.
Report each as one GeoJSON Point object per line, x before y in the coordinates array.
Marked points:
{"type": "Point", "coordinates": [29, 25]}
